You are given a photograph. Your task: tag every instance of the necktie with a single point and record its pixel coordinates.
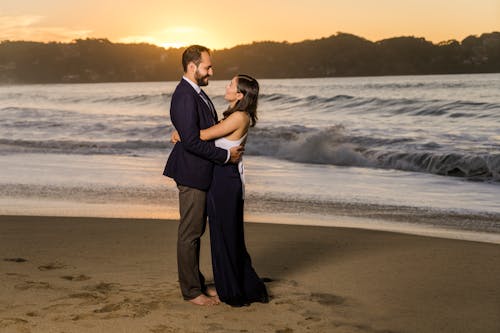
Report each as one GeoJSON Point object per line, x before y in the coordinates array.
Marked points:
{"type": "Point", "coordinates": [204, 97]}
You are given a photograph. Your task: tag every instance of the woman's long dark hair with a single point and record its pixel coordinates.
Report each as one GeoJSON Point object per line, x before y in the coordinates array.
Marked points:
{"type": "Point", "coordinates": [249, 87]}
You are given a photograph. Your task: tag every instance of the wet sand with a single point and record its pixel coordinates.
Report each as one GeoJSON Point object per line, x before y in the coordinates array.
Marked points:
{"type": "Point", "coordinates": [60, 274]}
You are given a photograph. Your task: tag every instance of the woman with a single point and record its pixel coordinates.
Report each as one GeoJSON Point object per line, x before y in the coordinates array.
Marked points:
{"type": "Point", "coordinates": [236, 281]}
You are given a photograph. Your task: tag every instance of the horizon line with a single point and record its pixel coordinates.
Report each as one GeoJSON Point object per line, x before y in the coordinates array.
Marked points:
{"type": "Point", "coordinates": [249, 43]}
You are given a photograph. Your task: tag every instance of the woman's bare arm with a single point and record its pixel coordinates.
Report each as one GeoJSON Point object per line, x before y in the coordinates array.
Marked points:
{"type": "Point", "coordinates": [235, 121]}
{"type": "Point", "coordinates": [222, 129]}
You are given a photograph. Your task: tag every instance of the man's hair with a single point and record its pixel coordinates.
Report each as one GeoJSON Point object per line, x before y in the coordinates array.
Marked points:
{"type": "Point", "coordinates": [193, 54]}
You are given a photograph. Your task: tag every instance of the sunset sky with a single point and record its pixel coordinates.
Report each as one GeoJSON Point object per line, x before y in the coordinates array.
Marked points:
{"type": "Point", "coordinates": [226, 23]}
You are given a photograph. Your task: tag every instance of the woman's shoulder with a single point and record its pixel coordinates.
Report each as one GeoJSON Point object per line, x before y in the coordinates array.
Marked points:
{"type": "Point", "coordinates": [239, 115]}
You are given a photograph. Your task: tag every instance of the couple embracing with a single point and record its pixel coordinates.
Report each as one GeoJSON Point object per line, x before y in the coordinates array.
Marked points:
{"type": "Point", "coordinates": [206, 166]}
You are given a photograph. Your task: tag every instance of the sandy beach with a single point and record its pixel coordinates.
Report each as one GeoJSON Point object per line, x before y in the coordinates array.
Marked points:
{"type": "Point", "coordinates": [61, 274]}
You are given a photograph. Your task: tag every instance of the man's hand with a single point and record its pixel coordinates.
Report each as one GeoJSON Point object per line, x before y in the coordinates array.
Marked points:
{"type": "Point", "coordinates": [236, 153]}
{"type": "Point", "coordinates": [175, 137]}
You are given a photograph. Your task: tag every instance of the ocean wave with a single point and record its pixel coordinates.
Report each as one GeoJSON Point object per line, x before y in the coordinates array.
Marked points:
{"type": "Point", "coordinates": [63, 122]}
{"type": "Point", "coordinates": [387, 107]}
{"type": "Point", "coordinates": [140, 99]}
{"type": "Point", "coordinates": [335, 146]}
{"type": "Point", "coordinates": [331, 146]}
{"type": "Point", "coordinates": [55, 100]}
{"type": "Point", "coordinates": [378, 106]}
{"type": "Point", "coordinates": [23, 112]}
{"type": "Point", "coordinates": [302, 144]}
{"type": "Point", "coordinates": [128, 147]}
{"type": "Point", "coordinates": [467, 165]}
{"type": "Point", "coordinates": [413, 85]}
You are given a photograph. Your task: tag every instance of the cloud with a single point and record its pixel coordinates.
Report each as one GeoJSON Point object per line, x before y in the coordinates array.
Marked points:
{"type": "Point", "coordinates": [16, 22]}
{"type": "Point", "coordinates": [27, 27]}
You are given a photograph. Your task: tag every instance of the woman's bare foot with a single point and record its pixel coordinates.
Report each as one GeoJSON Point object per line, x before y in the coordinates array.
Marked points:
{"type": "Point", "coordinates": [203, 300]}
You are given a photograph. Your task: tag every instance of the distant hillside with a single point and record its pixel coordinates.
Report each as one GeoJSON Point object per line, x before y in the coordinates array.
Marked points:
{"type": "Point", "coordinates": [99, 60]}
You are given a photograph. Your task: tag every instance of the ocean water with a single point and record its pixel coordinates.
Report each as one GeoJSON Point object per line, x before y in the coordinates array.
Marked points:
{"type": "Point", "coordinates": [401, 153]}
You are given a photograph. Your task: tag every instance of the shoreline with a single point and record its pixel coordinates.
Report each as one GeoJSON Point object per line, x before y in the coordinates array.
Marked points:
{"type": "Point", "coordinates": [331, 221]}
{"type": "Point", "coordinates": [119, 275]}
{"type": "Point", "coordinates": [132, 187]}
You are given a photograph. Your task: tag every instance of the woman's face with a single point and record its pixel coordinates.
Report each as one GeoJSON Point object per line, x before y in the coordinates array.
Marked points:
{"type": "Point", "coordinates": [232, 95]}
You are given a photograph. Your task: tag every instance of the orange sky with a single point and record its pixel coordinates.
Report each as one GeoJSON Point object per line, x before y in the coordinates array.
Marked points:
{"type": "Point", "coordinates": [226, 23]}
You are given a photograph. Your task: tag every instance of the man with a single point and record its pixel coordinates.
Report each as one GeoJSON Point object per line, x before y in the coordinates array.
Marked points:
{"type": "Point", "coordinates": [190, 164]}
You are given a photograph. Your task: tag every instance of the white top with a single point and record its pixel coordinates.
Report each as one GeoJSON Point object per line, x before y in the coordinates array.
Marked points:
{"type": "Point", "coordinates": [228, 144]}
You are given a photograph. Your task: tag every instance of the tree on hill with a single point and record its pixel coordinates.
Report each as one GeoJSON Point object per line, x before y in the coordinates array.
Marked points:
{"type": "Point", "coordinates": [342, 54]}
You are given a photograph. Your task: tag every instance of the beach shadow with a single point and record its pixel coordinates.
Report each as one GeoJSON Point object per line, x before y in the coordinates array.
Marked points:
{"type": "Point", "coordinates": [290, 249]}
{"type": "Point", "coordinates": [286, 249]}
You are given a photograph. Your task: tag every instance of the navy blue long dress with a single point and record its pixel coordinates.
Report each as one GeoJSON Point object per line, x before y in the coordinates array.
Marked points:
{"type": "Point", "coordinates": [236, 281]}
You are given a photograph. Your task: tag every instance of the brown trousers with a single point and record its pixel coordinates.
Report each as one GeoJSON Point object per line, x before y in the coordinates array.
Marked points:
{"type": "Point", "coordinates": [192, 206]}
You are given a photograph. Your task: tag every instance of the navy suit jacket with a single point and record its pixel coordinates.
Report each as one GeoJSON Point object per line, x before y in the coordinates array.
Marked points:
{"type": "Point", "coordinates": [192, 160]}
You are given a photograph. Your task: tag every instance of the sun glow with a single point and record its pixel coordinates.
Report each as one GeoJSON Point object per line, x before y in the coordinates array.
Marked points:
{"type": "Point", "coordinates": [171, 37]}
{"type": "Point", "coordinates": [180, 36]}
{"type": "Point", "coordinates": [175, 45]}
{"type": "Point", "coordinates": [170, 24]}
{"type": "Point", "coordinates": [152, 40]}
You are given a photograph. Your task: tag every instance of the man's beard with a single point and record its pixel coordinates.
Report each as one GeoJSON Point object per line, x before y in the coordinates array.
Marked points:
{"type": "Point", "coordinates": [201, 80]}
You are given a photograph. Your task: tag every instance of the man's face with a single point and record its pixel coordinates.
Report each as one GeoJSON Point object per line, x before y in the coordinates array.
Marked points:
{"type": "Point", "coordinates": [204, 70]}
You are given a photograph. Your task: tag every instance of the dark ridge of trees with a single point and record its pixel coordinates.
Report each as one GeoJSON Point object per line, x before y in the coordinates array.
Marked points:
{"type": "Point", "coordinates": [99, 60]}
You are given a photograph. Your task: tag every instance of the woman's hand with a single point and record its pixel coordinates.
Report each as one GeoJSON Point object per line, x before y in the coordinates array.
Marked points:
{"type": "Point", "coordinates": [174, 137]}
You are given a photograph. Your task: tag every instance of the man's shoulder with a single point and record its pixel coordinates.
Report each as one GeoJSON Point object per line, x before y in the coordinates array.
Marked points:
{"type": "Point", "coordinates": [184, 85]}
{"type": "Point", "coordinates": [184, 88]}
{"type": "Point", "coordinates": [184, 98]}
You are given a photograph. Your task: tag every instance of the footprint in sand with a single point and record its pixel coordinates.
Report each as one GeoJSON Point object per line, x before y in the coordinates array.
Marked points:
{"type": "Point", "coordinates": [80, 277]}
{"type": "Point", "coordinates": [32, 285]}
{"type": "Point", "coordinates": [16, 275]}
{"type": "Point", "coordinates": [109, 308]}
{"type": "Point", "coordinates": [311, 316]}
{"type": "Point", "coordinates": [81, 316]}
{"type": "Point", "coordinates": [312, 320]}
{"type": "Point", "coordinates": [87, 296]}
{"type": "Point", "coordinates": [15, 259]}
{"type": "Point", "coordinates": [52, 266]}
{"type": "Point", "coordinates": [134, 308]}
{"type": "Point", "coordinates": [359, 327]}
{"type": "Point", "coordinates": [284, 330]}
{"type": "Point", "coordinates": [162, 329]}
{"type": "Point", "coordinates": [291, 283]}
{"type": "Point", "coordinates": [95, 294]}
{"type": "Point", "coordinates": [103, 287]}
{"type": "Point", "coordinates": [327, 299]}
{"type": "Point", "coordinates": [5, 322]}
{"type": "Point", "coordinates": [55, 307]}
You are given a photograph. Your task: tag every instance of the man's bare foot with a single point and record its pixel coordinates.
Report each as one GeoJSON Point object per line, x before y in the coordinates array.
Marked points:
{"type": "Point", "coordinates": [211, 292]}
{"type": "Point", "coordinates": [203, 300]}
